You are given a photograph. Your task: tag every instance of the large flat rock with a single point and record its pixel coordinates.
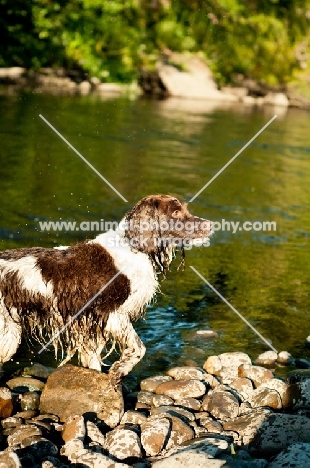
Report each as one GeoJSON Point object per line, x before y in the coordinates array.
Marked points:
{"type": "Point", "coordinates": [72, 390]}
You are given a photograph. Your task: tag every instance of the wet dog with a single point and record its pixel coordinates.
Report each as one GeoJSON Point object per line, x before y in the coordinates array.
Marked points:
{"type": "Point", "coordinates": [42, 290]}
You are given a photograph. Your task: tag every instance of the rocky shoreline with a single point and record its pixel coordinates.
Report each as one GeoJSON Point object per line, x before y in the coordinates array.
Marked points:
{"type": "Point", "coordinates": [230, 413]}
{"type": "Point", "coordinates": [177, 76]}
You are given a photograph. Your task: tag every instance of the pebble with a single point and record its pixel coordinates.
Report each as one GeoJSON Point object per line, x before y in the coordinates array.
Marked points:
{"type": "Point", "coordinates": [160, 400]}
{"type": "Point", "coordinates": [268, 358]}
{"type": "Point", "coordinates": [154, 435]}
{"type": "Point", "coordinates": [263, 396]}
{"type": "Point", "coordinates": [150, 384]}
{"type": "Point", "coordinates": [285, 358]}
{"type": "Point", "coordinates": [185, 373]}
{"type": "Point", "coordinates": [30, 401]}
{"type": "Point", "coordinates": [182, 388]}
{"type": "Point", "coordinates": [94, 434]}
{"type": "Point", "coordinates": [25, 384]}
{"type": "Point", "coordinates": [22, 432]}
{"type": "Point", "coordinates": [257, 374]}
{"type": "Point", "coordinates": [221, 404]}
{"type": "Point", "coordinates": [239, 403]}
{"type": "Point", "coordinates": [9, 460]}
{"type": "Point", "coordinates": [123, 443]}
{"type": "Point", "coordinates": [38, 370]}
{"type": "Point", "coordinates": [74, 428]}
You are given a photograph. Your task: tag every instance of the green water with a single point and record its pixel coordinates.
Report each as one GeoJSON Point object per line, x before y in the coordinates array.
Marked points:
{"type": "Point", "coordinates": [173, 147]}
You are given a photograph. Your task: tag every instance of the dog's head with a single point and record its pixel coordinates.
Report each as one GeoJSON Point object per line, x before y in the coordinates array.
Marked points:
{"type": "Point", "coordinates": [159, 224]}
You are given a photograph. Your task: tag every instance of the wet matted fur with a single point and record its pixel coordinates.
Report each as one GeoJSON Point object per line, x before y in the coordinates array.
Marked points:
{"type": "Point", "coordinates": [41, 289]}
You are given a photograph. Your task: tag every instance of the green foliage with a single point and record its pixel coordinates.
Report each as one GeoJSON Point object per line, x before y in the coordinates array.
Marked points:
{"type": "Point", "coordinates": [112, 38]}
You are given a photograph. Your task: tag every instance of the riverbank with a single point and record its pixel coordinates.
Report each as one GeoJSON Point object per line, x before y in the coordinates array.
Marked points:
{"type": "Point", "coordinates": [180, 76]}
{"type": "Point", "coordinates": [230, 413]}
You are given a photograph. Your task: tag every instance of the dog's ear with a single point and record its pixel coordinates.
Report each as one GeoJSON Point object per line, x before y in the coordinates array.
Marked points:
{"type": "Point", "coordinates": [143, 225]}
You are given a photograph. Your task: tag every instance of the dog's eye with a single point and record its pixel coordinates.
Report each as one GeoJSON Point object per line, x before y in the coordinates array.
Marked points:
{"type": "Point", "coordinates": [177, 214]}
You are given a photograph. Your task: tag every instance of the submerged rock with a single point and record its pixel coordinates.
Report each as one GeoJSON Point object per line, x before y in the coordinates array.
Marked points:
{"type": "Point", "coordinates": [73, 390]}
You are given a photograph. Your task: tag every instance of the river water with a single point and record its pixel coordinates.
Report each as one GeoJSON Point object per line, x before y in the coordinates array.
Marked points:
{"type": "Point", "coordinates": [173, 147]}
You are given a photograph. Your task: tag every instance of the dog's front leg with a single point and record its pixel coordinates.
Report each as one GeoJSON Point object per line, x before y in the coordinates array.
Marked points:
{"type": "Point", "coordinates": [133, 348]}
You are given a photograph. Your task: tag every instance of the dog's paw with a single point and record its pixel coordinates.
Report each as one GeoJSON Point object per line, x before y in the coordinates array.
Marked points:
{"type": "Point", "coordinates": [115, 379]}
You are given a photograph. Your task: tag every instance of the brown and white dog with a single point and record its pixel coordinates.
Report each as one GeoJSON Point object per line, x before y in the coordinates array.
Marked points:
{"type": "Point", "coordinates": [42, 289]}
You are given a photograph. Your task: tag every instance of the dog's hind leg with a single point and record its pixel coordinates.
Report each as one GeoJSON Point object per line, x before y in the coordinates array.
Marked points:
{"type": "Point", "coordinates": [120, 326]}
{"type": "Point", "coordinates": [10, 333]}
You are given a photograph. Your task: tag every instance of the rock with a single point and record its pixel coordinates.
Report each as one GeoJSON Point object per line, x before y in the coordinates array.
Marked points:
{"type": "Point", "coordinates": [296, 455]}
{"type": "Point", "coordinates": [213, 365]}
{"type": "Point", "coordinates": [190, 403]}
{"type": "Point", "coordinates": [268, 358]}
{"type": "Point", "coordinates": [145, 397]}
{"type": "Point", "coordinates": [13, 421]}
{"type": "Point", "coordinates": [265, 397]}
{"type": "Point", "coordinates": [22, 432]}
{"type": "Point", "coordinates": [300, 394]}
{"type": "Point", "coordinates": [276, 99]}
{"type": "Point", "coordinates": [236, 91]}
{"type": "Point", "coordinates": [182, 388]}
{"type": "Point", "coordinates": [205, 334]}
{"type": "Point", "coordinates": [39, 447]}
{"type": "Point", "coordinates": [282, 388]}
{"type": "Point", "coordinates": [302, 363]}
{"type": "Point", "coordinates": [75, 452]}
{"type": "Point", "coordinates": [257, 374]}
{"type": "Point", "coordinates": [133, 417]}
{"type": "Point", "coordinates": [154, 435]}
{"type": "Point", "coordinates": [247, 425]}
{"type": "Point", "coordinates": [50, 462]}
{"type": "Point", "coordinates": [185, 373]}
{"type": "Point", "coordinates": [25, 384]}
{"type": "Point", "coordinates": [94, 434]}
{"type": "Point", "coordinates": [298, 375]}
{"type": "Point", "coordinates": [161, 400]}
{"type": "Point", "coordinates": [109, 88]}
{"type": "Point", "coordinates": [37, 370]}
{"type": "Point", "coordinates": [249, 100]}
{"type": "Point", "coordinates": [26, 414]}
{"type": "Point", "coordinates": [9, 460]}
{"type": "Point", "coordinates": [174, 411]}
{"type": "Point", "coordinates": [211, 380]}
{"type": "Point", "coordinates": [211, 425]}
{"type": "Point", "coordinates": [226, 364]}
{"type": "Point", "coordinates": [85, 87]}
{"type": "Point", "coordinates": [199, 454]}
{"type": "Point", "coordinates": [278, 431]}
{"type": "Point", "coordinates": [142, 406]}
{"type": "Point", "coordinates": [285, 358]}
{"type": "Point", "coordinates": [195, 83]}
{"type": "Point", "coordinates": [221, 404]}
{"type": "Point", "coordinates": [30, 401]}
{"type": "Point", "coordinates": [150, 384]}
{"type": "Point", "coordinates": [74, 428]}
{"type": "Point", "coordinates": [6, 403]}
{"type": "Point", "coordinates": [73, 390]}
{"type": "Point", "coordinates": [123, 443]}
{"type": "Point", "coordinates": [243, 386]}
{"type": "Point", "coordinates": [180, 432]}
